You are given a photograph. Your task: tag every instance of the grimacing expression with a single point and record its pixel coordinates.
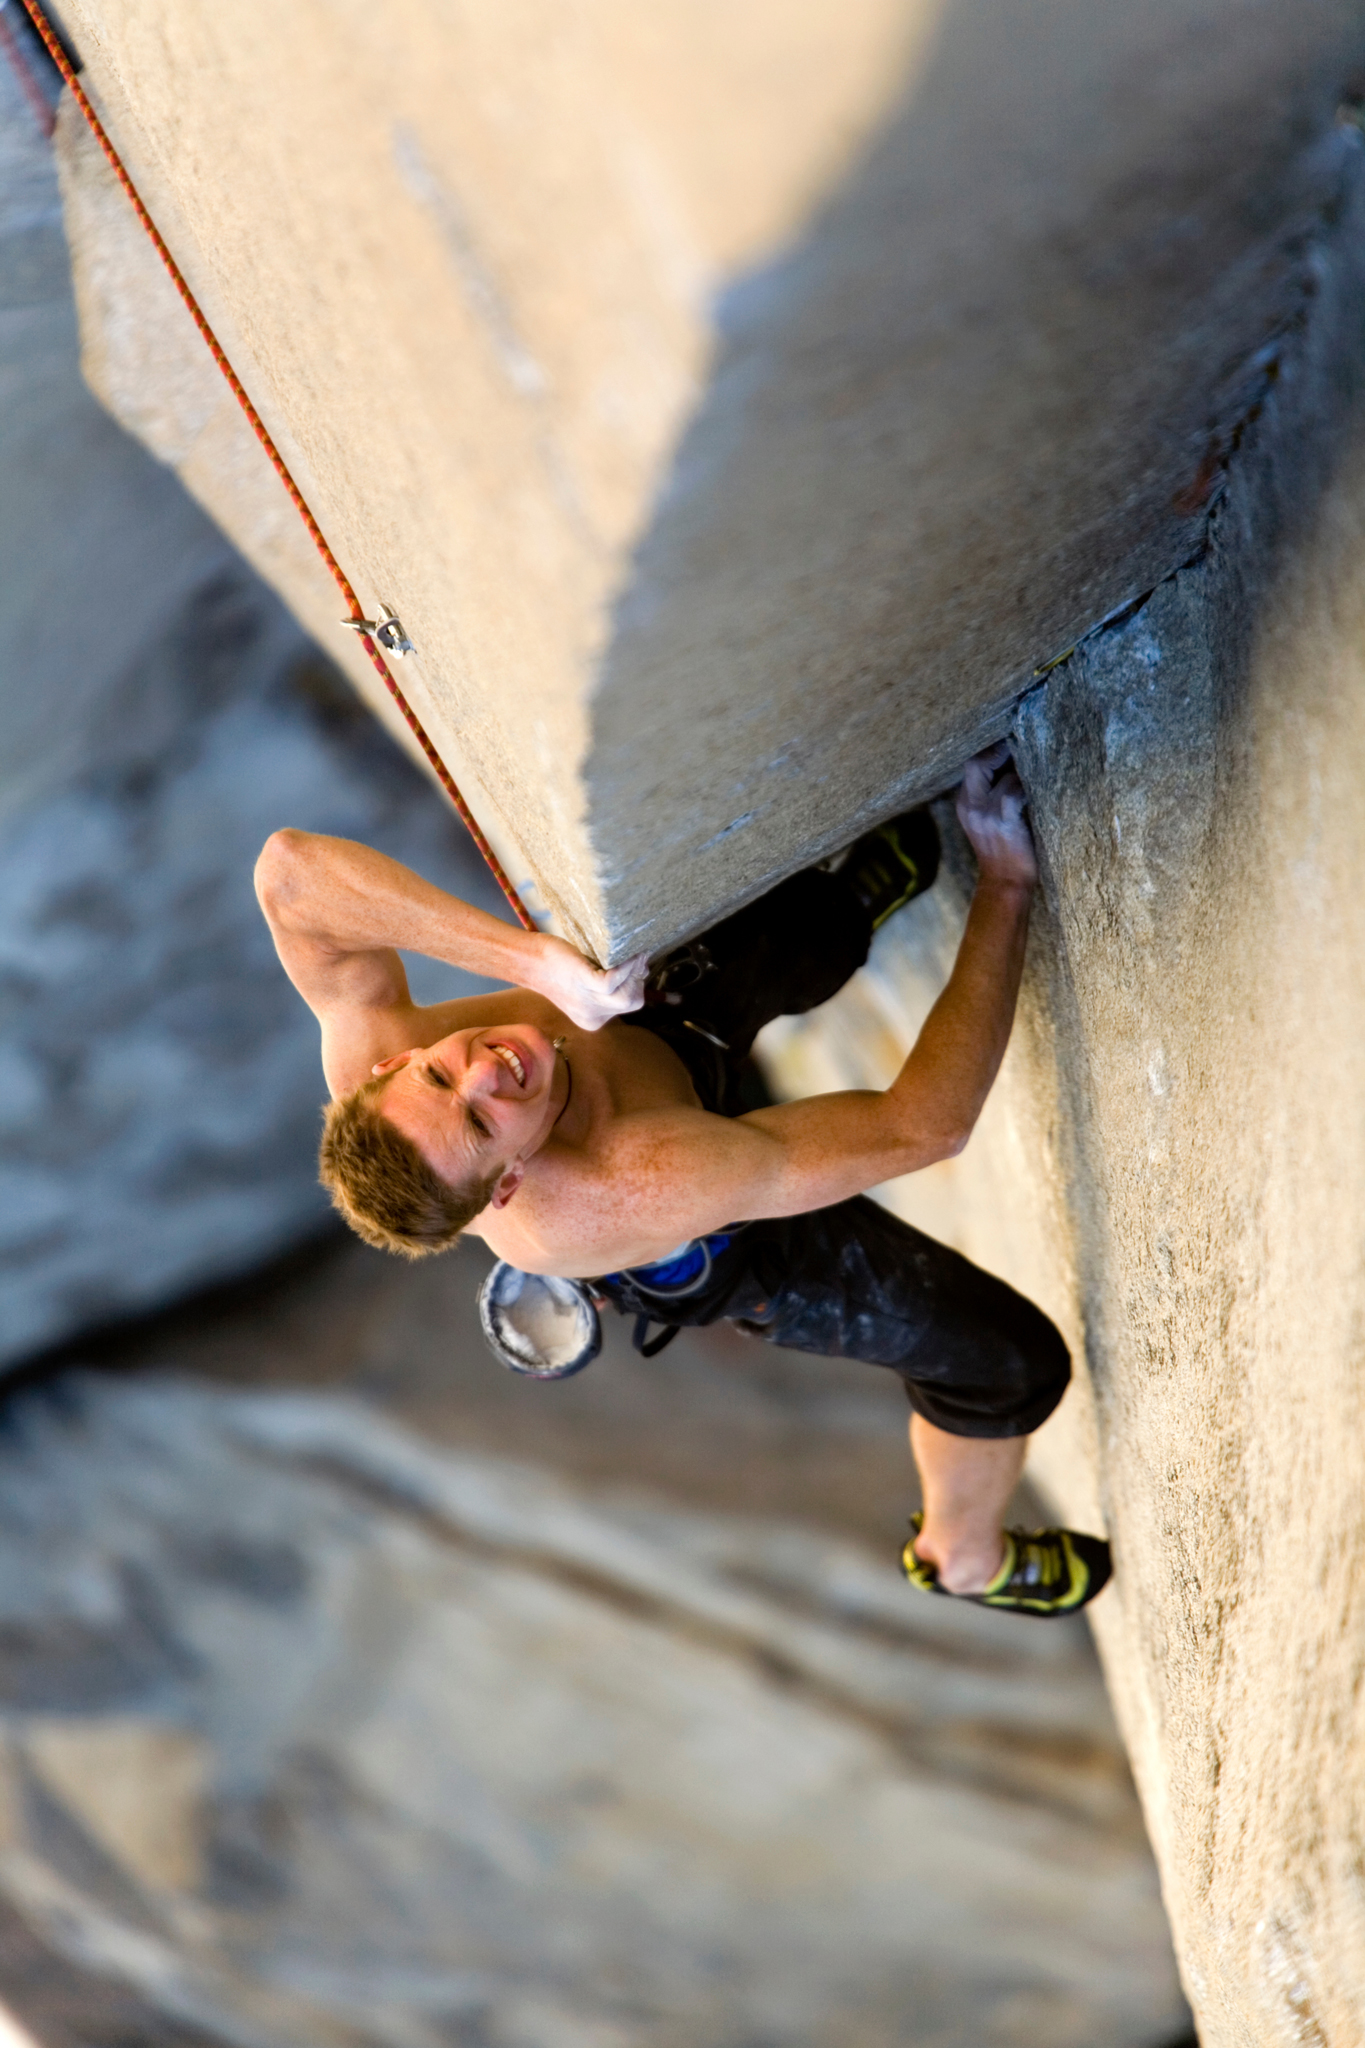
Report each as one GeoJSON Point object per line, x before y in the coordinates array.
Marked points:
{"type": "Point", "coordinates": [477, 1102]}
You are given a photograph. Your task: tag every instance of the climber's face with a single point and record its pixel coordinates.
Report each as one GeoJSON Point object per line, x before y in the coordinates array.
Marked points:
{"type": "Point", "coordinates": [478, 1103]}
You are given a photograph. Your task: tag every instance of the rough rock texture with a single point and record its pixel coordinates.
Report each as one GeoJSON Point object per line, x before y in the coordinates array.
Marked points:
{"type": "Point", "coordinates": [1172, 1165]}
{"type": "Point", "coordinates": [160, 714]}
{"type": "Point", "coordinates": [738, 404]}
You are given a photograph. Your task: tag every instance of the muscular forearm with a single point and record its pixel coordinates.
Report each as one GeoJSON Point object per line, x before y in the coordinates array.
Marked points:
{"type": "Point", "coordinates": [802, 1155]}
{"type": "Point", "coordinates": [828, 1147]}
{"type": "Point", "coordinates": [943, 1085]}
{"type": "Point", "coordinates": [348, 897]}
{"type": "Point", "coordinates": [342, 913]}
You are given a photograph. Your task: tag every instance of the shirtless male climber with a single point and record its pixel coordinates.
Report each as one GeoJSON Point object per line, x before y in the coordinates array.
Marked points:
{"type": "Point", "coordinates": [587, 1123]}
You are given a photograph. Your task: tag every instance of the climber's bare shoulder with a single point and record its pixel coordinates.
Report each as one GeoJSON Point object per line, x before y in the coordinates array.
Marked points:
{"type": "Point", "coordinates": [628, 1194]}
{"type": "Point", "coordinates": [599, 1193]}
{"type": "Point", "coordinates": [645, 1179]}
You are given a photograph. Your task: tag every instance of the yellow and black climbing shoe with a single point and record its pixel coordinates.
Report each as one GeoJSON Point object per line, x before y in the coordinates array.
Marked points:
{"type": "Point", "coordinates": [1046, 1571]}
{"type": "Point", "coordinates": [887, 868]}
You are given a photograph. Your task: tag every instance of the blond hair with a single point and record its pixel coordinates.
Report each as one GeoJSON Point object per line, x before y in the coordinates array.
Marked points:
{"type": "Point", "coordinates": [383, 1186]}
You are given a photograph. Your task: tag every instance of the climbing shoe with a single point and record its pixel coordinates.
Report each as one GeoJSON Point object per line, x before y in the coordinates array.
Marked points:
{"type": "Point", "coordinates": [887, 868]}
{"type": "Point", "coordinates": [1046, 1571]}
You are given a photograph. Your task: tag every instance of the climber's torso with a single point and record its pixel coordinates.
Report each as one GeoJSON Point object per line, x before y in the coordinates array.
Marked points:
{"type": "Point", "coordinates": [598, 1194]}
{"type": "Point", "coordinates": [625, 1168]}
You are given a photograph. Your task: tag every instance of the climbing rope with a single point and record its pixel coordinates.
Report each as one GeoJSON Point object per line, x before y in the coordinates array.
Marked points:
{"type": "Point", "coordinates": [366, 628]}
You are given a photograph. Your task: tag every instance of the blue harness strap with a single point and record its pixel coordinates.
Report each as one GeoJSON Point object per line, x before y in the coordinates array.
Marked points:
{"type": "Point", "coordinates": [684, 1270]}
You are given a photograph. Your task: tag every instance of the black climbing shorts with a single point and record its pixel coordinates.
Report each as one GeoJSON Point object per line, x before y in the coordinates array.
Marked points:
{"type": "Point", "coordinates": [853, 1281]}
{"type": "Point", "coordinates": [850, 1281]}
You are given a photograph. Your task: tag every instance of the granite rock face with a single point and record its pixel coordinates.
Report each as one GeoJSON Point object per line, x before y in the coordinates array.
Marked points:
{"type": "Point", "coordinates": [1171, 1164]}
{"type": "Point", "coordinates": [738, 404]}
{"type": "Point", "coordinates": [1198, 781]}
{"type": "Point", "coordinates": [160, 715]}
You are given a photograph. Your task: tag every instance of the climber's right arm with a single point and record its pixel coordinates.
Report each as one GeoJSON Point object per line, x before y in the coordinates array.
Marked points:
{"type": "Point", "coordinates": [808, 1154]}
{"type": "Point", "coordinates": [663, 1175]}
{"type": "Point", "coordinates": [688, 1174]}
{"type": "Point", "coordinates": [839, 1144]}
{"type": "Point", "coordinates": [339, 911]}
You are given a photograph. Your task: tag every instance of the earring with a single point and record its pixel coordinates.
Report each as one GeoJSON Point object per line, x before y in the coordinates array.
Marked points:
{"type": "Point", "coordinates": [559, 1043]}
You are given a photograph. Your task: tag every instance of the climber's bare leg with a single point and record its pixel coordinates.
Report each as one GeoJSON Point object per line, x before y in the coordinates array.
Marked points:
{"type": "Point", "coordinates": [967, 1482]}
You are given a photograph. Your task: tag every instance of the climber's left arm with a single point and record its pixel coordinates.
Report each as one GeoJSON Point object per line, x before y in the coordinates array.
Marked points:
{"type": "Point", "coordinates": [339, 911]}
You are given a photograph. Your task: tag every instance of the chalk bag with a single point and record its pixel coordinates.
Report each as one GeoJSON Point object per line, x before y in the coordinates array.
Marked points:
{"type": "Point", "coordinates": [538, 1325]}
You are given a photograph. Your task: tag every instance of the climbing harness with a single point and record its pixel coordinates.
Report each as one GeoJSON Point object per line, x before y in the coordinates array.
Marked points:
{"type": "Point", "coordinates": [378, 636]}
{"type": "Point", "coordinates": [665, 1282]}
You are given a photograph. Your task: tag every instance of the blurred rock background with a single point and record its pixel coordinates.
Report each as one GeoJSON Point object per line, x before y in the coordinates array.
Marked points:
{"type": "Point", "coordinates": [356, 1692]}
{"type": "Point", "coordinates": [351, 1692]}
